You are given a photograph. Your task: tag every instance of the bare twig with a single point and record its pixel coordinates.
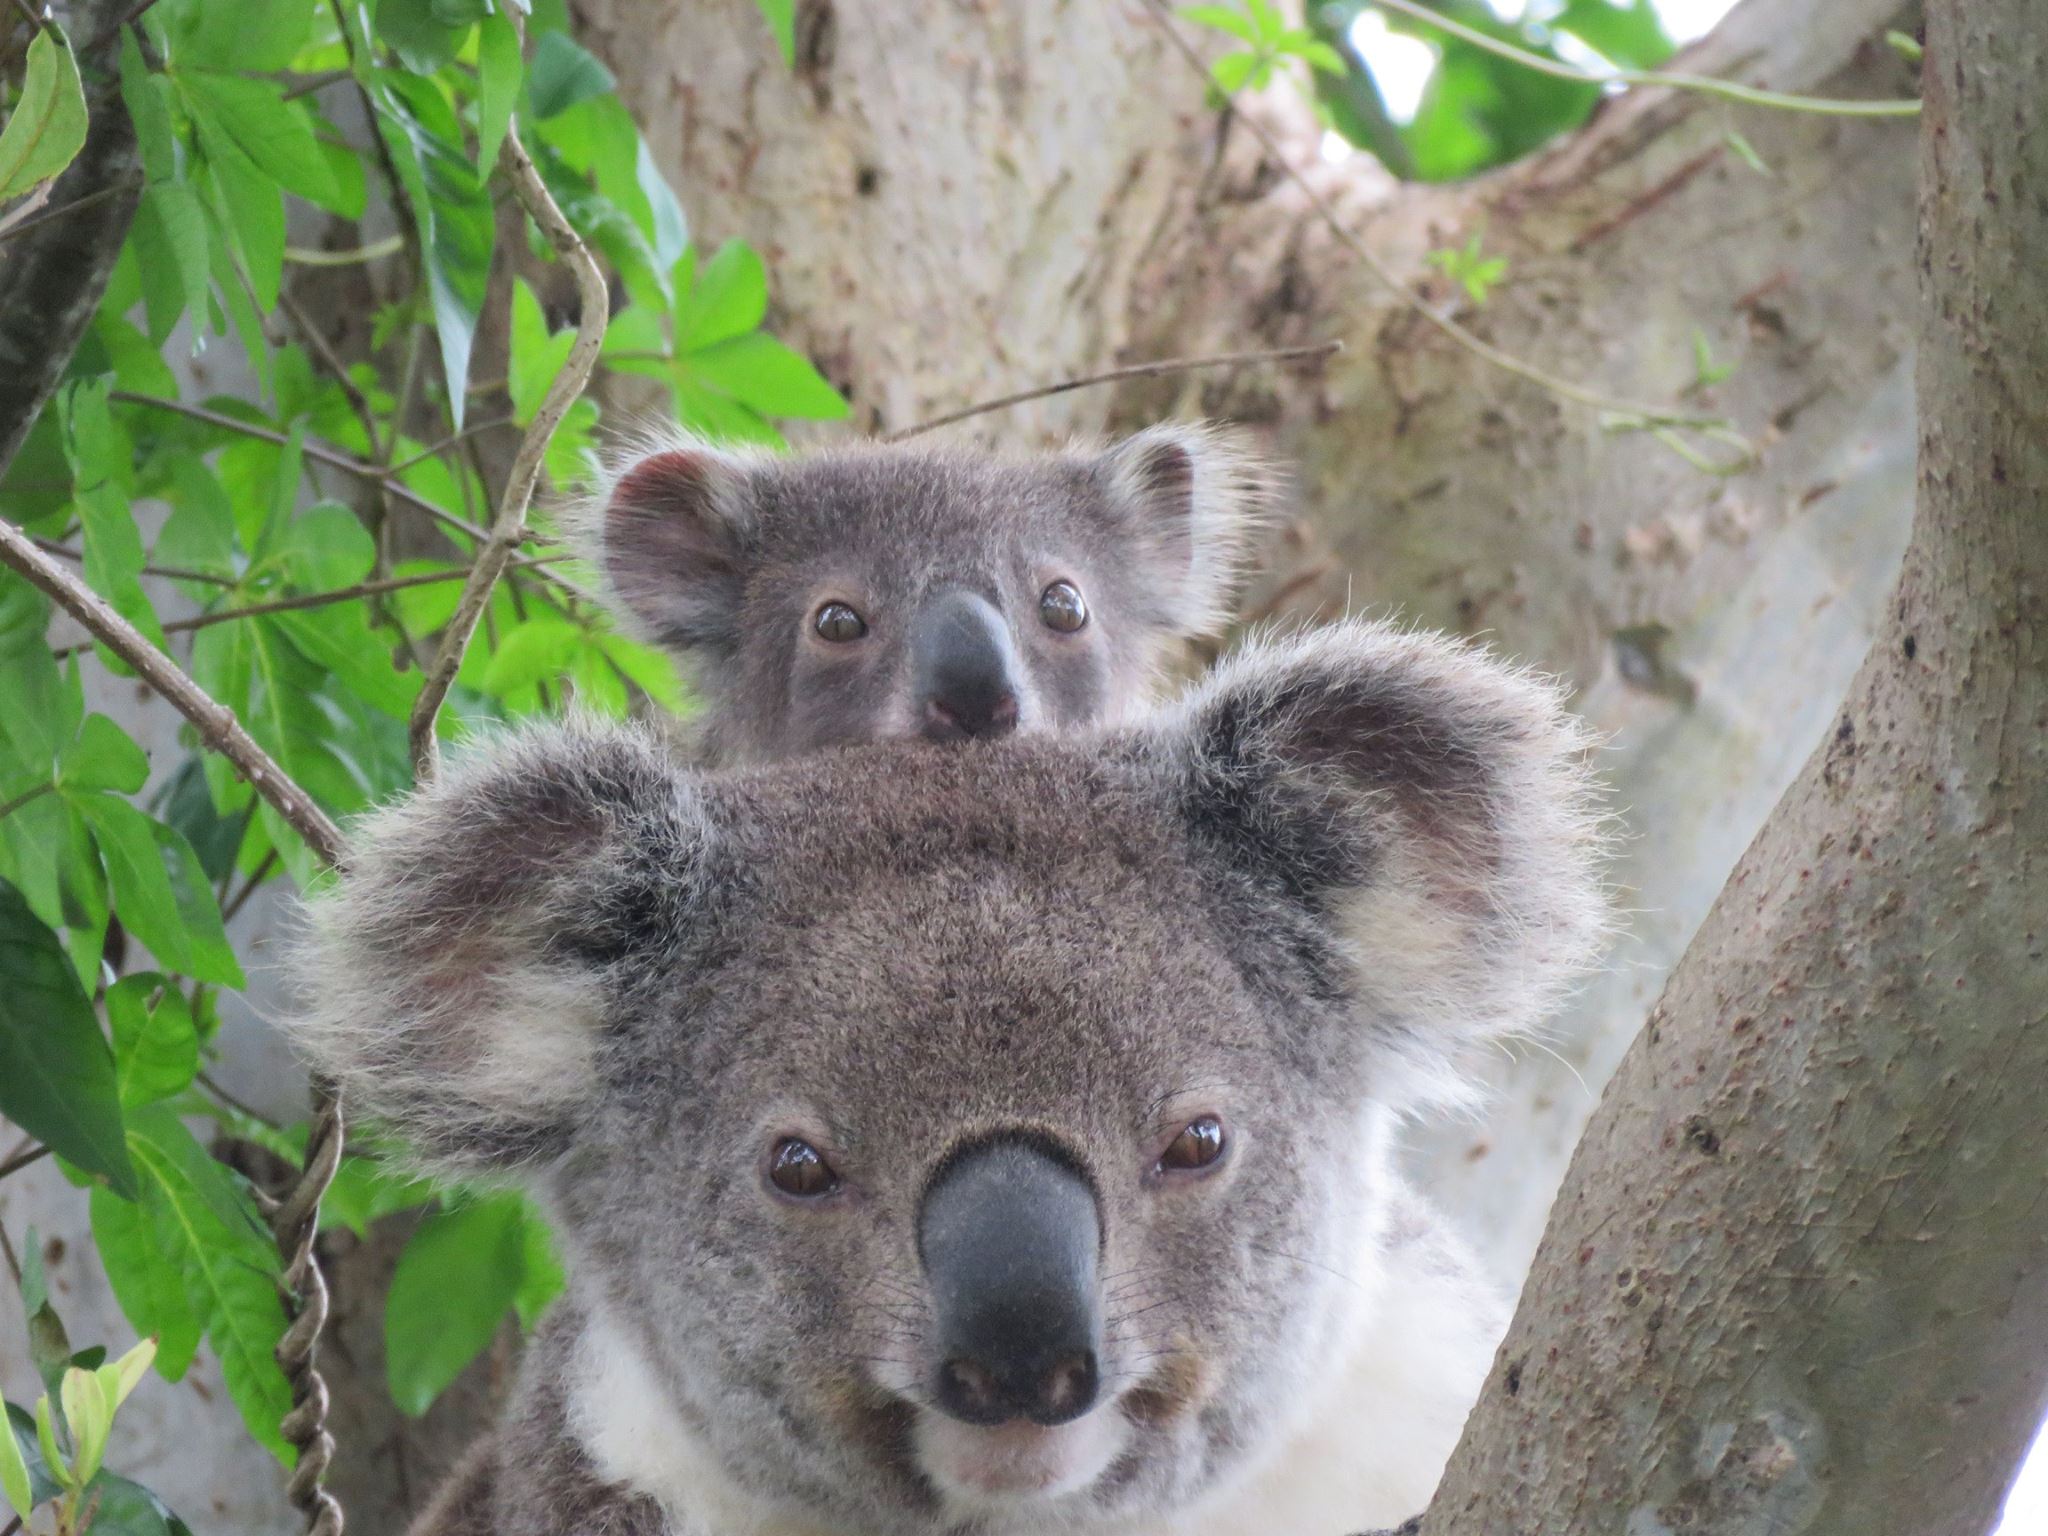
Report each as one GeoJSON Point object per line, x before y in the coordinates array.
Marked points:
{"type": "Point", "coordinates": [14, 224]}
{"type": "Point", "coordinates": [175, 572]}
{"type": "Point", "coordinates": [453, 440]}
{"type": "Point", "coordinates": [1316, 350]}
{"type": "Point", "coordinates": [510, 527]}
{"type": "Point", "coordinates": [1621, 414]}
{"type": "Point", "coordinates": [216, 723]}
{"type": "Point", "coordinates": [21, 1160]}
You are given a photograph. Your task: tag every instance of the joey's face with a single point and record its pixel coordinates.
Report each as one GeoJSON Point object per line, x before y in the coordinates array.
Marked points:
{"type": "Point", "coordinates": [871, 593]}
{"type": "Point", "coordinates": [949, 1225]}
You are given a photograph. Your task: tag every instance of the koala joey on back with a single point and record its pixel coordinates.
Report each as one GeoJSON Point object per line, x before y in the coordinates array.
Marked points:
{"type": "Point", "coordinates": [987, 1142]}
{"type": "Point", "coordinates": [861, 592]}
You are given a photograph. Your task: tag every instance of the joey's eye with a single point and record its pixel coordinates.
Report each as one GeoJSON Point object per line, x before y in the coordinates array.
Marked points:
{"type": "Point", "coordinates": [839, 623]}
{"type": "Point", "coordinates": [798, 1169]}
{"type": "Point", "coordinates": [1062, 607]}
{"type": "Point", "coordinates": [1198, 1146]}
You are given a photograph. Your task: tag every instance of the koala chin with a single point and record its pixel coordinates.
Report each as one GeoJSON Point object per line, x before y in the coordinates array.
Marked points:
{"type": "Point", "coordinates": [978, 1142]}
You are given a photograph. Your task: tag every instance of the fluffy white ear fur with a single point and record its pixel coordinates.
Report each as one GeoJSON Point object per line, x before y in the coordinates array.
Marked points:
{"type": "Point", "coordinates": [1435, 803]}
{"type": "Point", "coordinates": [1201, 500]}
{"type": "Point", "coordinates": [453, 981]}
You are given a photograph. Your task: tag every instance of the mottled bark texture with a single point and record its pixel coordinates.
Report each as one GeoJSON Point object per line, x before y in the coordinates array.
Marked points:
{"type": "Point", "coordinates": [1797, 1279]}
{"type": "Point", "coordinates": [52, 276]}
{"type": "Point", "coordinates": [959, 200]}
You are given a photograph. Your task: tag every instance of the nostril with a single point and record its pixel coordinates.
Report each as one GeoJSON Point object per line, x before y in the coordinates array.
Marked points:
{"type": "Point", "coordinates": [969, 1391]}
{"type": "Point", "coordinates": [1003, 718]}
{"type": "Point", "coordinates": [1067, 1390]}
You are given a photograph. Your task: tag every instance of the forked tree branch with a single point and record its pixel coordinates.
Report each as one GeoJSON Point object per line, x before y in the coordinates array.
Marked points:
{"type": "Point", "coordinates": [510, 527]}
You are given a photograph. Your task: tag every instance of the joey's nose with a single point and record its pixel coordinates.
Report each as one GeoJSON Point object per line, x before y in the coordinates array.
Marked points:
{"type": "Point", "coordinates": [1010, 1236]}
{"type": "Point", "coordinates": [963, 668]}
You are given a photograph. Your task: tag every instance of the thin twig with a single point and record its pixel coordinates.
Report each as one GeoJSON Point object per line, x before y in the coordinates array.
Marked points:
{"type": "Point", "coordinates": [1630, 414]}
{"type": "Point", "coordinates": [8, 230]}
{"type": "Point", "coordinates": [135, 14]}
{"type": "Point", "coordinates": [256, 877]}
{"type": "Point", "coordinates": [175, 572]}
{"type": "Point", "coordinates": [1707, 85]}
{"type": "Point", "coordinates": [1320, 349]}
{"type": "Point", "coordinates": [376, 250]}
{"type": "Point", "coordinates": [323, 349]}
{"type": "Point", "coordinates": [453, 440]}
{"type": "Point", "coordinates": [319, 82]}
{"type": "Point", "coordinates": [568, 384]}
{"type": "Point", "coordinates": [216, 723]}
{"type": "Point", "coordinates": [322, 599]}
{"type": "Point", "coordinates": [22, 1160]}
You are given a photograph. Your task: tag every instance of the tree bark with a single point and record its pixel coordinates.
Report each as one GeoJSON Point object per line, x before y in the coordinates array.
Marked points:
{"type": "Point", "coordinates": [1798, 1277]}
{"type": "Point", "coordinates": [957, 201]}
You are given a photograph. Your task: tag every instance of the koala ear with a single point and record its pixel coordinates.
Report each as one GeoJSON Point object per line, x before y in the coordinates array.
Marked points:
{"type": "Point", "coordinates": [457, 978]}
{"type": "Point", "coordinates": [1423, 807]}
{"type": "Point", "coordinates": [1196, 500]}
{"type": "Point", "coordinates": [671, 532]}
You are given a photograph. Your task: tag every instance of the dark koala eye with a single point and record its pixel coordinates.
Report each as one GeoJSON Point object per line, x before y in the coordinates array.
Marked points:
{"type": "Point", "coordinates": [798, 1169]}
{"type": "Point", "coordinates": [1062, 607]}
{"type": "Point", "coordinates": [839, 623]}
{"type": "Point", "coordinates": [1198, 1146]}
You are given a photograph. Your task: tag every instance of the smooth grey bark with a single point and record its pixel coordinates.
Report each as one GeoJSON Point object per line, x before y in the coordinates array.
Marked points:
{"type": "Point", "coordinates": [958, 201]}
{"type": "Point", "coordinates": [1797, 1279]}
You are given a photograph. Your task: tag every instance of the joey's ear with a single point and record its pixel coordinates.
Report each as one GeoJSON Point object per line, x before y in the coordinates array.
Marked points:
{"type": "Point", "coordinates": [1195, 499]}
{"type": "Point", "coordinates": [456, 980]}
{"type": "Point", "coordinates": [1422, 806]}
{"type": "Point", "coordinates": [672, 533]}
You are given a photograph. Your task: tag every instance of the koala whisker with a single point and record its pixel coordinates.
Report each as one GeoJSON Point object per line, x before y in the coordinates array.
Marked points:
{"type": "Point", "coordinates": [1294, 1258]}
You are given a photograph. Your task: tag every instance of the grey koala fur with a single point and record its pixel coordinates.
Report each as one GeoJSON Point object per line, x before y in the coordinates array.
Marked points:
{"type": "Point", "coordinates": [725, 559]}
{"type": "Point", "coordinates": [1298, 899]}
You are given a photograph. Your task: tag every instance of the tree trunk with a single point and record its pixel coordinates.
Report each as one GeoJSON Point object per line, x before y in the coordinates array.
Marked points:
{"type": "Point", "coordinates": [1798, 1278]}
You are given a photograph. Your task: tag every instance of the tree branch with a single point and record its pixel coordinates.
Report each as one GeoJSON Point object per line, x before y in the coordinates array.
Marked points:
{"type": "Point", "coordinates": [510, 527]}
{"type": "Point", "coordinates": [1797, 1277]}
{"type": "Point", "coordinates": [1316, 351]}
{"type": "Point", "coordinates": [216, 723]}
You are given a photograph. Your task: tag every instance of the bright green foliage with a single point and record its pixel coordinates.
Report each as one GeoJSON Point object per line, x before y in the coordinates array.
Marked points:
{"type": "Point", "coordinates": [256, 535]}
{"type": "Point", "coordinates": [1470, 268]}
{"type": "Point", "coordinates": [1269, 42]}
{"type": "Point", "coordinates": [46, 127]}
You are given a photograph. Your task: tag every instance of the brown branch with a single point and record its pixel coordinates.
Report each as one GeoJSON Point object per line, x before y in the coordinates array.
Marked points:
{"type": "Point", "coordinates": [11, 231]}
{"type": "Point", "coordinates": [22, 1160]}
{"type": "Point", "coordinates": [510, 527]}
{"type": "Point", "coordinates": [1317, 351]}
{"type": "Point", "coordinates": [216, 723]}
{"type": "Point", "coordinates": [174, 572]}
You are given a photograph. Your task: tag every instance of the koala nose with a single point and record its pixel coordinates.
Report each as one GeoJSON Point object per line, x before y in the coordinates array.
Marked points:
{"type": "Point", "coordinates": [1010, 1236]}
{"type": "Point", "coordinates": [964, 668]}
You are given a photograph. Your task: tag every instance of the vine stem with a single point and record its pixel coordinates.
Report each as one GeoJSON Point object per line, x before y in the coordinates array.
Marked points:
{"type": "Point", "coordinates": [1706, 85]}
{"type": "Point", "coordinates": [1317, 350]}
{"type": "Point", "coordinates": [510, 526]}
{"type": "Point", "coordinates": [1621, 413]}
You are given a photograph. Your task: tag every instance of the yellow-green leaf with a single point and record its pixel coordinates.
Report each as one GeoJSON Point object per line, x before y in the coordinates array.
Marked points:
{"type": "Point", "coordinates": [46, 130]}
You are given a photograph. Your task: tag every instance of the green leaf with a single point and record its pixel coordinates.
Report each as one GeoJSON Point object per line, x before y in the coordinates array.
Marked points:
{"type": "Point", "coordinates": [199, 535]}
{"type": "Point", "coordinates": [250, 209]}
{"type": "Point", "coordinates": [39, 709]}
{"type": "Point", "coordinates": [91, 1419]}
{"type": "Point", "coordinates": [728, 298]}
{"type": "Point", "coordinates": [149, 1290]}
{"type": "Point", "coordinates": [1630, 33]}
{"type": "Point", "coordinates": [124, 1508]}
{"type": "Point", "coordinates": [156, 1045]}
{"type": "Point", "coordinates": [1221, 18]}
{"type": "Point", "coordinates": [56, 1073]}
{"type": "Point", "coordinates": [760, 372]}
{"type": "Point", "coordinates": [159, 889]}
{"type": "Point", "coordinates": [255, 35]}
{"type": "Point", "coordinates": [781, 18]}
{"type": "Point", "coordinates": [367, 1188]}
{"type": "Point", "coordinates": [1322, 56]}
{"type": "Point", "coordinates": [23, 1426]}
{"type": "Point", "coordinates": [1746, 152]}
{"type": "Point", "coordinates": [327, 548]}
{"type": "Point", "coordinates": [539, 651]}
{"type": "Point", "coordinates": [1233, 70]}
{"type": "Point", "coordinates": [414, 31]}
{"type": "Point", "coordinates": [541, 1279]}
{"type": "Point", "coordinates": [204, 1223]}
{"type": "Point", "coordinates": [500, 70]}
{"type": "Point", "coordinates": [102, 756]}
{"type": "Point", "coordinates": [170, 240]}
{"type": "Point", "coordinates": [561, 75]}
{"type": "Point", "coordinates": [14, 1479]}
{"type": "Point", "coordinates": [100, 459]}
{"type": "Point", "coordinates": [537, 357]}
{"type": "Point", "coordinates": [454, 1284]}
{"type": "Point", "coordinates": [47, 1344]}
{"type": "Point", "coordinates": [275, 134]}
{"type": "Point", "coordinates": [46, 130]}
{"type": "Point", "coordinates": [142, 93]}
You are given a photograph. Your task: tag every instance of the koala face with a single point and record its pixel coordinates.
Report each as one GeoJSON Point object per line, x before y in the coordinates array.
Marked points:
{"type": "Point", "coordinates": [984, 1138]}
{"type": "Point", "coordinates": [865, 593]}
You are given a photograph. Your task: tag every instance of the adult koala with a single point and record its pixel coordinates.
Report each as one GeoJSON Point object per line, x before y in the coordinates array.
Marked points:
{"type": "Point", "coordinates": [991, 1141]}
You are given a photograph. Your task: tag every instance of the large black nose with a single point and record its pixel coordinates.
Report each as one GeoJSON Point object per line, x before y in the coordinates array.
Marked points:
{"type": "Point", "coordinates": [963, 667]}
{"type": "Point", "coordinates": [1010, 1237]}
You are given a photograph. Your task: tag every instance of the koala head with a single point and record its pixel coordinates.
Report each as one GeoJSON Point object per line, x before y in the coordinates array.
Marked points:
{"type": "Point", "coordinates": [866, 592]}
{"type": "Point", "coordinates": [991, 1137]}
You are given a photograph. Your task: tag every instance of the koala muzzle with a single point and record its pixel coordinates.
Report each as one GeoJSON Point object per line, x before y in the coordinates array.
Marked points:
{"type": "Point", "coordinates": [1010, 1237]}
{"type": "Point", "coordinates": [963, 667]}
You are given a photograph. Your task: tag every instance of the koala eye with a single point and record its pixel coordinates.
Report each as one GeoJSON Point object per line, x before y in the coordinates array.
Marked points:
{"type": "Point", "coordinates": [1198, 1146]}
{"type": "Point", "coordinates": [1062, 607]}
{"type": "Point", "coordinates": [800, 1171]}
{"type": "Point", "coordinates": [839, 623]}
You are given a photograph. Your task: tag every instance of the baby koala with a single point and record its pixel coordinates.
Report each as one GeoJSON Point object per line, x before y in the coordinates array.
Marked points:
{"type": "Point", "coordinates": [983, 1143]}
{"type": "Point", "coordinates": [863, 592]}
